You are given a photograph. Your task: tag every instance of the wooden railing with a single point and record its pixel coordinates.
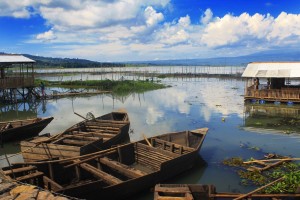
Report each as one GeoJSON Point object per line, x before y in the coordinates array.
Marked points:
{"type": "Point", "coordinates": [284, 94]}
{"type": "Point", "coordinates": [16, 82]}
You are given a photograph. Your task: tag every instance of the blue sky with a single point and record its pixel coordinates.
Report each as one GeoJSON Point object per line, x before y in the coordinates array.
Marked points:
{"type": "Point", "coordinates": [128, 30]}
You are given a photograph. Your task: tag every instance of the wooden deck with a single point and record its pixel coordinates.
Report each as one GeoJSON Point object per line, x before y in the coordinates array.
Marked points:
{"type": "Point", "coordinates": [282, 95]}
{"type": "Point", "coordinates": [16, 82]}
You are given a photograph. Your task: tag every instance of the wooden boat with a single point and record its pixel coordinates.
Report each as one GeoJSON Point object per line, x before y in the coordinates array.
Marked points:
{"type": "Point", "coordinates": [207, 192]}
{"type": "Point", "coordinates": [117, 172]}
{"type": "Point", "coordinates": [82, 138]}
{"type": "Point", "coordinates": [19, 129]}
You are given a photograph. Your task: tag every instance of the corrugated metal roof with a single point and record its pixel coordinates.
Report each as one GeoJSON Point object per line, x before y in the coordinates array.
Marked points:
{"type": "Point", "coordinates": [273, 70]}
{"type": "Point", "coordinates": [12, 58]}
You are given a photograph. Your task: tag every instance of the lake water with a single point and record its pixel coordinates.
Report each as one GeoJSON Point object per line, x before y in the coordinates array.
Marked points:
{"type": "Point", "coordinates": [235, 129]}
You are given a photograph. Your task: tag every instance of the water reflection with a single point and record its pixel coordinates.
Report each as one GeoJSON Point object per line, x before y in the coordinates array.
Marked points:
{"type": "Point", "coordinates": [18, 111]}
{"type": "Point", "coordinates": [189, 104]}
{"type": "Point", "coordinates": [277, 118]}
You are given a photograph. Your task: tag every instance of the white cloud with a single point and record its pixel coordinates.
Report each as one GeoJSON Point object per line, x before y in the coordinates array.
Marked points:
{"type": "Point", "coordinates": [285, 26]}
{"type": "Point", "coordinates": [207, 16]}
{"type": "Point", "coordinates": [174, 33]}
{"type": "Point", "coordinates": [251, 30]}
{"type": "Point", "coordinates": [47, 36]}
{"type": "Point", "coordinates": [152, 17]}
{"type": "Point", "coordinates": [19, 8]}
{"type": "Point", "coordinates": [138, 30]}
{"type": "Point", "coordinates": [99, 14]}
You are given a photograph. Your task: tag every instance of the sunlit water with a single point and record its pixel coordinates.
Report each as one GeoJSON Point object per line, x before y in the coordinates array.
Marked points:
{"type": "Point", "coordinates": [189, 104]}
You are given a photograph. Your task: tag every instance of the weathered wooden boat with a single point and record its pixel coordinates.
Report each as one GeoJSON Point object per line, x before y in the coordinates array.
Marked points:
{"type": "Point", "coordinates": [207, 192]}
{"type": "Point", "coordinates": [82, 138]}
{"type": "Point", "coordinates": [19, 129]}
{"type": "Point", "coordinates": [117, 172]}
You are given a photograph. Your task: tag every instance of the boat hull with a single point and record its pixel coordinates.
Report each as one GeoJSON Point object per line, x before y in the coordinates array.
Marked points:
{"type": "Point", "coordinates": [26, 131]}
{"type": "Point", "coordinates": [121, 171]}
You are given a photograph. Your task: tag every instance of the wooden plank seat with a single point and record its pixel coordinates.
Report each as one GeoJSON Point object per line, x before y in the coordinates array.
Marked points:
{"type": "Point", "coordinates": [19, 170]}
{"type": "Point", "coordinates": [182, 189]}
{"type": "Point", "coordinates": [86, 138]}
{"type": "Point", "coordinates": [33, 175]}
{"type": "Point", "coordinates": [51, 185]}
{"type": "Point", "coordinates": [99, 134]}
{"type": "Point", "coordinates": [122, 168]}
{"type": "Point", "coordinates": [111, 121]}
{"type": "Point", "coordinates": [104, 131]}
{"type": "Point", "coordinates": [97, 125]}
{"type": "Point", "coordinates": [173, 193]}
{"type": "Point", "coordinates": [171, 146]}
{"type": "Point", "coordinates": [75, 142]}
{"type": "Point", "coordinates": [107, 178]}
{"type": "Point", "coordinates": [159, 152]}
{"type": "Point", "coordinates": [152, 157]}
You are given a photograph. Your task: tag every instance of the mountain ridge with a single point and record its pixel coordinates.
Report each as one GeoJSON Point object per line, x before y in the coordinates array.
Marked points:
{"type": "Point", "coordinates": [267, 56]}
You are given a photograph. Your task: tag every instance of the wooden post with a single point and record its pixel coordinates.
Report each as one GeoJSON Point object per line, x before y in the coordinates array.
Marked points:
{"type": "Point", "coordinates": [77, 171]}
{"type": "Point", "coordinates": [120, 155]}
{"type": "Point", "coordinates": [51, 171]}
{"type": "Point", "coordinates": [187, 138]}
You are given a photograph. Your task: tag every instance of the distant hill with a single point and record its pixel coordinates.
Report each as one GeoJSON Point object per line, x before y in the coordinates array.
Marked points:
{"type": "Point", "coordinates": [284, 55]}
{"type": "Point", "coordinates": [231, 61]}
{"type": "Point", "coordinates": [70, 62]}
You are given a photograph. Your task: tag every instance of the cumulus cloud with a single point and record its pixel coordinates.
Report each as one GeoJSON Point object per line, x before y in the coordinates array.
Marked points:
{"type": "Point", "coordinates": [152, 17]}
{"type": "Point", "coordinates": [174, 33]}
{"type": "Point", "coordinates": [47, 36]}
{"type": "Point", "coordinates": [246, 29]}
{"type": "Point", "coordinates": [100, 13]}
{"type": "Point", "coordinates": [20, 8]}
{"type": "Point", "coordinates": [139, 27]}
{"type": "Point", "coordinates": [207, 16]}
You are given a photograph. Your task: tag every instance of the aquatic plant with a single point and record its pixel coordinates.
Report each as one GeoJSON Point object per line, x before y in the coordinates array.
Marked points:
{"type": "Point", "coordinates": [234, 162]}
{"type": "Point", "coordinates": [289, 170]}
{"type": "Point", "coordinates": [119, 87]}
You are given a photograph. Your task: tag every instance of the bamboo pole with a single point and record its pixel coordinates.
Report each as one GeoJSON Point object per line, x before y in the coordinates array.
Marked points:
{"type": "Point", "coordinates": [80, 115]}
{"type": "Point", "coordinates": [271, 160]}
{"type": "Point", "coordinates": [147, 140]}
{"type": "Point", "coordinates": [258, 189]}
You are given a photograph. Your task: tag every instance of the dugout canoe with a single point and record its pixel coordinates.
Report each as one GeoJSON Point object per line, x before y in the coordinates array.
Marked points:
{"type": "Point", "coordinates": [82, 138]}
{"type": "Point", "coordinates": [118, 172]}
{"type": "Point", "coordinates": [20, 129]}
{"type": "Point", "coordinates": [208, 192]}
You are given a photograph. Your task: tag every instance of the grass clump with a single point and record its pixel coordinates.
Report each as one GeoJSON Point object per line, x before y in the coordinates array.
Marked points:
{"type": "Point", "coordinates": [118, 87]}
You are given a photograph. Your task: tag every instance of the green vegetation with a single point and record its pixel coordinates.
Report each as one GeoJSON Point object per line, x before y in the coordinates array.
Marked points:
{"type": "Point", "coordinates": [289, 170]}
{"type": "Point", "coordinates": [162, 76]}
{"type": "Point", "coordinates": [122, 87]}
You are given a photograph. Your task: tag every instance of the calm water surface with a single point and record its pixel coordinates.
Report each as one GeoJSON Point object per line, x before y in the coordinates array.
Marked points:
{"type": "Point", "coordinates": [235, 129]}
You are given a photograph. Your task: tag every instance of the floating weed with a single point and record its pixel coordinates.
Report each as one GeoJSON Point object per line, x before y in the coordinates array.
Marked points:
{"type": "Point", "coordinates": [234, 162]}
{"type": "Point", "coordinates": [289, 170]}
{"type": "Point", "coordinates": [254, 148]}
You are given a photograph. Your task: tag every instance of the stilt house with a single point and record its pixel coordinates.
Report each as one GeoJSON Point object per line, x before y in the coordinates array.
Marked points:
{"type": "Point", "coordinates": [16, 77]}
{"type": "Point", "coordinates": [273, 81]}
